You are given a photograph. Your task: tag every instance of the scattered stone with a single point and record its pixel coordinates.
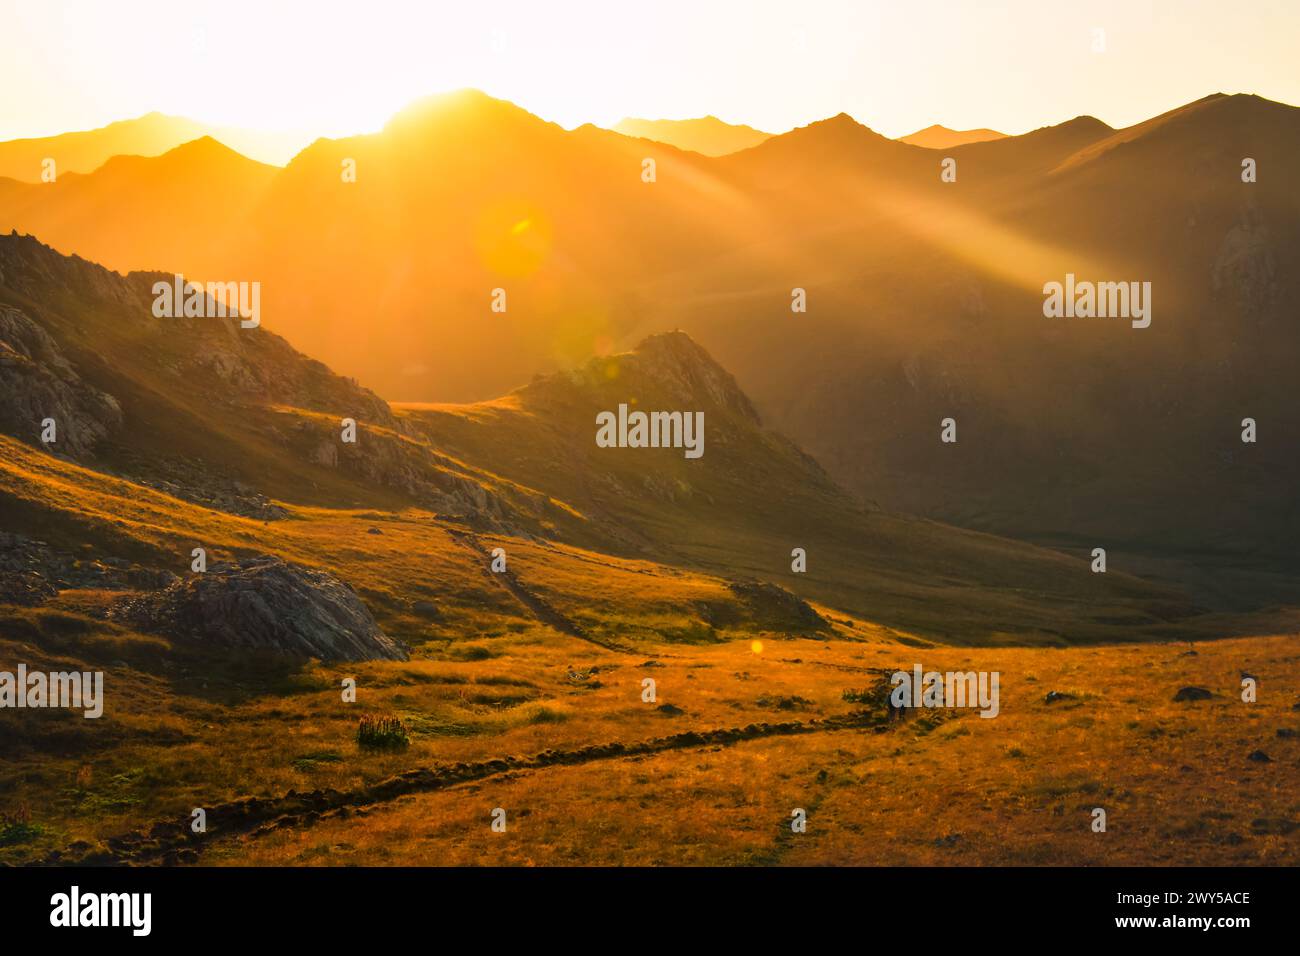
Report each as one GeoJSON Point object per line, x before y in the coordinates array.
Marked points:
{"type": "Point", "coordinates": [1285, 732]}
{"type": "Point", "coordinates": [1274, 826]}
{"type": "Point", "coordinates": [32, 572]}
{"type": "Point", "coordinates": [150, 579]}
{"type": "Point", "coordinates": [670, 710]}
{"type": "Point", "coordinates": [25, 588]}
{"type": "Point", "coordinates": [1192, 693]}
{"type": "Point", "coordinates": [793, 702]}
{"type": "Point", "coordinates": [200, 482]}
{"type": "Point", "coordinates": [427, 610]}
{"type": "Point", "coordinates": [373, 531]}
{"type": "Point", "coordinates": [1258, 756]}
{"type": "Point", "coordinates": [1054, 695]}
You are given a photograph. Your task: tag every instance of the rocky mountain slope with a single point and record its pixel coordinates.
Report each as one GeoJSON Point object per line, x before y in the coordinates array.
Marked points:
{"type": "Point", "coordinates": [231, 425]}
{"type": "Point", "coordinates": [924, 297]}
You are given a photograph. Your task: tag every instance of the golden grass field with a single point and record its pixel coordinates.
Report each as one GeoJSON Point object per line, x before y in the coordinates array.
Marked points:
{"type": "Point", "coordinates": [185, 728]}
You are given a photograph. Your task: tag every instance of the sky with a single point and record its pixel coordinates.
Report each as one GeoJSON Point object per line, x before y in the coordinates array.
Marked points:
{"type": "Point", "coordinates": [333, 68]}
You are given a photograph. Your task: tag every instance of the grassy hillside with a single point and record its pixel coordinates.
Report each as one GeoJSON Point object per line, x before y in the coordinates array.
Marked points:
{"type": "Point", "coordinates": [524, 686]}
{"type": "Point", "coordinates": [235, 422]}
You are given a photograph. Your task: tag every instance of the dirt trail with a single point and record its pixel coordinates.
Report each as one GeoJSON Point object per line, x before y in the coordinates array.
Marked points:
{"type": "Point", "coordinates": [542, 610]}
{"type": "Point", "coordinates": [786, 839]}
{"type": "Point", "coordinates": [172, 841]}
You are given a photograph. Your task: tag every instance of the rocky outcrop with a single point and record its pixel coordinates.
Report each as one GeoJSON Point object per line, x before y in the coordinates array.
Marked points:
{"type": "Point", "coordinates": [33, 571]}
{"type": "Point", "coordinates": [89, 331]}
{"type": "Point", "coordinates": [1245, 270]}
{"type": "Point", "coordinates": [197, 481]}
{"type": "Point", "coordinates": [761, 604]}
{"type": "Point", "coordinates": [679, 368]}
{"type": "Point", "coordinates": [767, 601]}
{"type": "Point", "coordinates": [37, 383]}
{"type": "Point", "coordinates": [31, 268]}
{"type": "Point", "coordinates": [387, 457]}
{"type": "Point", "coordinates": [228, 363]}
{"type": "Point", "coordinates": [267, 604]}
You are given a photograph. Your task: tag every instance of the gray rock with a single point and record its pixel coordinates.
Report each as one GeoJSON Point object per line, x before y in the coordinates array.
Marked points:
{"type": "Point", "coordinates": [38, 382]}
{"type": "Point", "coordinates": [427, 610]}
{"type": "Point", "coordinates": [267, 604]}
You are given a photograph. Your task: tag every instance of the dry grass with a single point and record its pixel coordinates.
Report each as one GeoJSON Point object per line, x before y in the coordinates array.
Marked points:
{"type": "Point", "coordinates": [1173, 778]}
{"type": "Point", "coordinates": [186, 728]}
{"type": "Point", "coordinates": [1018, 789]}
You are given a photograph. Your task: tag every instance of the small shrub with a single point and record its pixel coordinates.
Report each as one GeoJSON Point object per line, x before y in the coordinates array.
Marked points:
{"type": "Point", "coordinates": [864, 696]}
{"type": "Point", "coordinates": [779, 702]}
{"type": "Point", "coordinates": [312, 761]}
{"type": "Point", "coordinates": [382, 733]}
{"type": "Point", "coordinates": [16, 826]}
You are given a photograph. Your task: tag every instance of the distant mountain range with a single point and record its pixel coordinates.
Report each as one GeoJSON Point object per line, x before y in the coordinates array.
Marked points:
{"type": "Point", "coordinates": [709, 135]}
{"type": "Point", "coordinates": [925, 296]}
{"type": "Point", "coordinates": [150, 135]}
{"type": "Point", "coordinates": [941, 137]}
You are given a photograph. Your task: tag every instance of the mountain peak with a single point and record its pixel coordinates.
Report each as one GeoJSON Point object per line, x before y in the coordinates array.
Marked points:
{"type": "Point", "coordinates": [942, 137]}
{"type": "Point", "coordinates": [707, 135]}
{"type": "Point", "coordinates": [675, 363]}
{"type": "Point", "coordinates": [204, 154]}
{"type": "Point", "coordinates": [841, 125]}
{"type": "Point", "coordinates": [30, 266]}
{"type": "Point", "coordinates": [832, 139]}
{"type": "Point", "coordinates": [676, 345]}
{"type": "Point", "coordinates": [840, 119]}
{"type": "Point", "coordinates": [202, 145]}
{"type": "Point", "coordinates": [1085, 121]}
{"type": "Point", "coordinates": [459, 108]}
{"type": "Point", "coordinates": [667, 370]}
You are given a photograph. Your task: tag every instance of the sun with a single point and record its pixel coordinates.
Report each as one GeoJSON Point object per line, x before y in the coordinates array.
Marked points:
{"type": "Point", "coordinates": [756, 647]}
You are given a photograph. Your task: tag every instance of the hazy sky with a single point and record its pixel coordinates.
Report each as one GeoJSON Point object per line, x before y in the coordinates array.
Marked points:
{"type": "Point", "coordinates": [332, 68]}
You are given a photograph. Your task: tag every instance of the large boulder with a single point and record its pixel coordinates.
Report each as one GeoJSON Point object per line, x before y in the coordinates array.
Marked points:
{"type": "Point", "coordinates": [267, 604]}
